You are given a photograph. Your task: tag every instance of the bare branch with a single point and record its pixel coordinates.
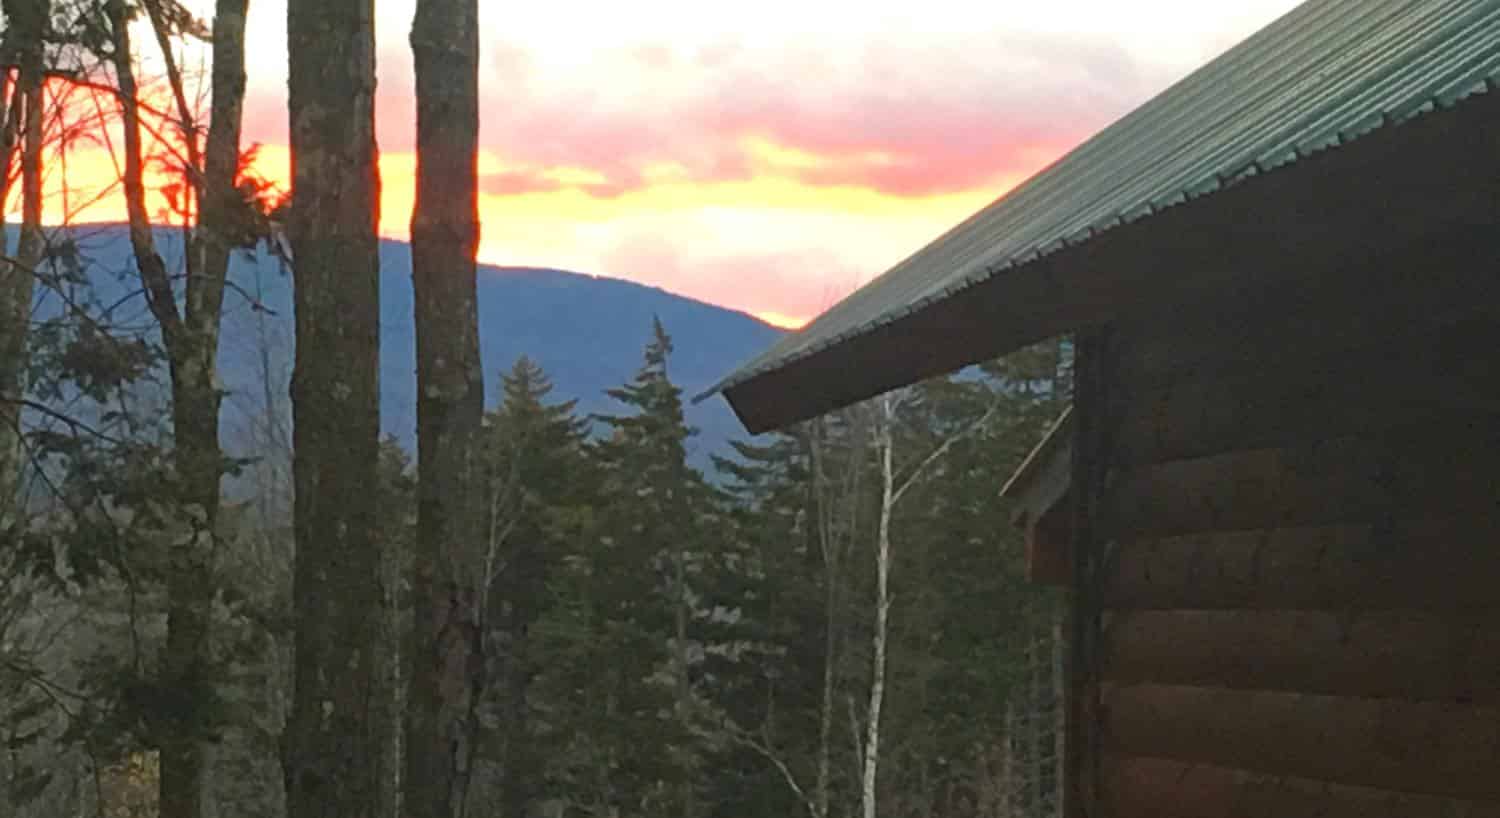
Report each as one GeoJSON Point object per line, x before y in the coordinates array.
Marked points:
{"type": "Point", "coordinates": [745, 739]}
{"type": "Point", "coordinates": [73, 423]}
{"type": "Point", "coordinates": [937, 454]}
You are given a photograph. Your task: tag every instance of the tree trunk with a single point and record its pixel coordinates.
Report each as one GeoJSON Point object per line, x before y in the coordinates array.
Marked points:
{"type": "Point", "coordinates": [834, 545]}
{"type": "Point", "coordinates": [392, 661]}
{"type": "Point", "coordinates": [825, 702]}
{"type": "Point", "coordinates": [1007, 800]}
{"type": "Point", "coordinates": [885, 443]}
{"type": "Point", "coordinates": [21, 118]}
{"type": "Point", "coordinates": [332, 742]}
{"type": "Point", "coordinates": [449, 669]}
{"type": "Point", "coordinates": [1059, 696]}
{"type": "Point", "coordinates": [192, 341]}
{"type": "Point", "coordinates": [1036, 702]}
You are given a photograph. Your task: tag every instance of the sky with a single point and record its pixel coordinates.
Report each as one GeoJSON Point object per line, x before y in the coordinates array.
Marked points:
{"type": "Point", "coordinates": [768, 156]}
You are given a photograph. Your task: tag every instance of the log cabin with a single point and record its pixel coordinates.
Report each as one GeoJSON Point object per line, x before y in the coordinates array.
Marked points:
{"type": "Point", "coordinates": [1275, 500]}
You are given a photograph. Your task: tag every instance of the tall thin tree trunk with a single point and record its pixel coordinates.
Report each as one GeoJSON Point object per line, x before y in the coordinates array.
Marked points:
{"type": "Point", "coordinates": [192, 341]}
{"type": "Point", "coordinates": [832, 544]}
{"type": "Point", "coordinates": [1036, 702]}
{"type": "Point", "coordinates": [395, 565]}
{"type": "Point", "coordinates": [825, 703]}
{"type": "Point", "coordinates": [182, 763]}
{"type": "Point", "coordinates": [884, 445]}
{"type": "Point", "coordinates": [449, 666]}
{"type": "Point", "coordinates": [195, 404]}
{"type": "Point", "coordinates": [21, 121]}
{"type": "Point", "coordinates": [332, 742]}
{"type": "Point", "coordinates": [1059, 710]}
{"type": "Point", "coordinates": [1008, 787]}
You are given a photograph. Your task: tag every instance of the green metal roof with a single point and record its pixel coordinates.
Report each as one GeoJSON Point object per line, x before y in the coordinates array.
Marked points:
{"type": "Point", "coordinates": [1326, 73]}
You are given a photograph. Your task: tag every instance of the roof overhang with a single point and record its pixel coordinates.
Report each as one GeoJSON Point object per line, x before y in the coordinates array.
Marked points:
{"type": "Point", "coordinates": [1430, 178]}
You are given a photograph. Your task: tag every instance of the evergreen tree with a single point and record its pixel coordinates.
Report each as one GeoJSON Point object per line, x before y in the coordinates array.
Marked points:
{"type": "Point", "coordinates": [538, 480]}
{"type": "Point", "coordinates": [770, 706]}
{"type": "Point", "coordinates": [627, 609]}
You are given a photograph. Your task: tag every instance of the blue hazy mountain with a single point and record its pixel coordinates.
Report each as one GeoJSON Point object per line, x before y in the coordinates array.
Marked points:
{"type": "Point", "coordinates": [587, 332]}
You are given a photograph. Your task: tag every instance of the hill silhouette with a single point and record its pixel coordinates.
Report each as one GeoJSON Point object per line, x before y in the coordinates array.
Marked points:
{"type": "Point", "coordinates": [586, 331]}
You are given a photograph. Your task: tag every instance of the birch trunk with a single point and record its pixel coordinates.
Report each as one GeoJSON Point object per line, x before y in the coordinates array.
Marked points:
{"type": "Point", "coordinates": [448, 668]}
{"type": "Point", "coordinates": [891, 494]}
{"type": "Point", "coordinates": [331, 751]}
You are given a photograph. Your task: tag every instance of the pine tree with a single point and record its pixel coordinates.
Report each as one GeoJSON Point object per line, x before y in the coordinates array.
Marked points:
{"type": "Point", "coordinates": [537, 479]}
{"type": "Point", "coordinates": [622, 637]}
{"type": "Point", "coordinates": [770, 699]}
{"type": "Point", "coordinates": [652, 501]}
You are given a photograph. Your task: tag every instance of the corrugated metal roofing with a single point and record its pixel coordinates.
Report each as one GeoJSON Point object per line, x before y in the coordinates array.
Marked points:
{"type": "Point", "coordinates": [1325, 73]}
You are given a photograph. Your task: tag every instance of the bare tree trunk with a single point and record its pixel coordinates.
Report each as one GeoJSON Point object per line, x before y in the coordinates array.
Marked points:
{"type": "Point", "coordinates": [1059, 709]}
{"type": "Point", "coordinates": [449, 665]}
{"type": "Point", "coordinates": [196, 400]}
{"type": "Point", "coordinates": [1008, 787]}
{"type": "Point", "coordinates": [22, 118]}
{"type": "Point", "coordinates": [825, 703]}
{"type": "Point", "coordinates": [332, 743]}
{"type": "Point", "coordinates": [891, 494]}
{"type": "Point", "coordinates": [395, 565]}
{"type": "Point", "coordinates": [1036, 700]}
{"type": "Point", "coordinates": [192, 341]}
{"type": "Point", "coordinates": [885, 444]}
{"type": "Point", "coordinates": [834, 541]}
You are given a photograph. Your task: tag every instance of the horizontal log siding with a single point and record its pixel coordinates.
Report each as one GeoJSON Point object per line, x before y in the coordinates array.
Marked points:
{"type": "Point", "coordinates": [1301, 583]}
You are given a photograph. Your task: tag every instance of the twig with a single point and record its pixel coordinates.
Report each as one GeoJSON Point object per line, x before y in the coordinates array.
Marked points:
{"type": "Point", "coordinates": [72, 422]}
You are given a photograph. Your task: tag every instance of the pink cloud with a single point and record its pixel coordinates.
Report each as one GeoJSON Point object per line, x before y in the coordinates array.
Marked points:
{"type": "Point", "coordinates": [901, 118]}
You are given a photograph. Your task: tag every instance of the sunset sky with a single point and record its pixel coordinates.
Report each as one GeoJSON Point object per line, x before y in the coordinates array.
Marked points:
{"type": "Point", "coordinates": [766, 156]}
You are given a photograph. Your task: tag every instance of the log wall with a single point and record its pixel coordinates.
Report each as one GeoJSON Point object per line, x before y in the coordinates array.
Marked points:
{"type": "Point", "coordinates": [1298, 548]}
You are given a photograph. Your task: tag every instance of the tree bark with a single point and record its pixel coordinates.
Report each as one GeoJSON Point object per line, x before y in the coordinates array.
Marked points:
{"type": "Point", "coordinates": [332, 742]}
{"type": "Point", "coordinates": [191, 338]}
{"type": "Point", "coordinates": [1036, 698]}
{"type": "Point", "coordinates": [21, 118]}
{"type": "Point", "coordinates": [1059, 696]}
{"type": "Point", "coordinates": [393, 661]}
{"type": "Point", "coordinates": [448, 663]}
{"type": "Point", "coordinates": [1007, 799]}
{"type": "Point", "coordinates": [885, 444]}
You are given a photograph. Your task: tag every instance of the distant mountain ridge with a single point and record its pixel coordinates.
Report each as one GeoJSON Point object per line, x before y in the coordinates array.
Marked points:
{"type": "Point", "coordinates": [586, 331]}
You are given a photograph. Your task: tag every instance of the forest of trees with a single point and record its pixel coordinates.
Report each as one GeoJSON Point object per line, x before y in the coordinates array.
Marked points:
{"type": "Point", "coordinates": [546, 614]}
